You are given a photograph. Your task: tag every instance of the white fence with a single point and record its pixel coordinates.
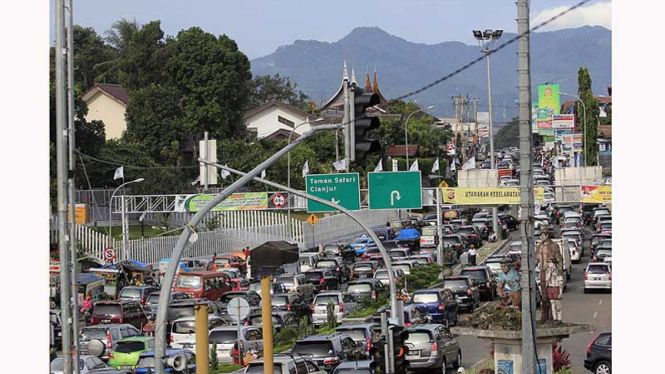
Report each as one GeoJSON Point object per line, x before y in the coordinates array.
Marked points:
{"type": "Point", "coordinates": [341, 227]}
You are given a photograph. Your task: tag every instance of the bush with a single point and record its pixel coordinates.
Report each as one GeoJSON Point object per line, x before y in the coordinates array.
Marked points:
{"type": "Point", "coordinates": [560, 358]}
{"type": "Point", "coordinates": [422, 277]}
{"type": "Point", "coordinates": [225, 368]}
{"type": "Point", "coordinates": [214, 363]}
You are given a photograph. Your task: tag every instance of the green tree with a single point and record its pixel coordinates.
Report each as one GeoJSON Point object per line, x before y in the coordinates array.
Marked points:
{"type": "Point", "coordinates": [145, 57]}
{"type": "Point", "coordinates": [264, 89]}
{"type": "Point", "coordinates": [213, 76]}
{"type": "Point", "coordinates": [118, 37]}
{"type": "Point", "coordinates": [592, 114]}
{"type": "Point", "coordinates": [89, 51]}
{"type": "Point", "coordinates": [509, 135]}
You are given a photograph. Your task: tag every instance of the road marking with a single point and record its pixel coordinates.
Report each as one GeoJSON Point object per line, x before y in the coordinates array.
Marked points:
{"type": "Point", "coordinates": [600, 302]}
{"type": "Point", "coordinates": [595, 315]}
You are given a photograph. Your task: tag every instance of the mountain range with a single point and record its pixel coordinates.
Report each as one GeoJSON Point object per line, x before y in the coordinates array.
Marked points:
{"type": "Point", "coordinates": [403, 66]}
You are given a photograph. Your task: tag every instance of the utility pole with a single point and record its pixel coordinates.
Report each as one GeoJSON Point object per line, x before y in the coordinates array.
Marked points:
{"type": "Point", "coordinates": [476, 139]}
{"type": "Point", "coordinates": [456, 121]}
{"type": "Point", "coordinates": [529, 362]}
{"type": "Point", "coordinates": [72, 169]}
{"type": "Point", "coordinates": [462, 137]}
{"type": "Point", "coordinates": [345, 120]}
{"type": "Point", "coordinates": [63, 237]}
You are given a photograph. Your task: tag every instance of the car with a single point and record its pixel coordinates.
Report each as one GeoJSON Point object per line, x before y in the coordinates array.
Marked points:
{"type": "Point", "coordinates": [226, 339]}
{"type": "Point", "coordinates": [561, 210]}
{"type": "Point", "coordinates": [184, 329]}
{"type": "Point", "coordinates": [356, 367]}
{"type": "Point", "coordinates": [371, 288]}
{"type": "Point", "coordinates": [152, 301]}
{"type": "Point", "coordinates": [602, 253]}
{"type": "Point", "coordinates": [307, 260]}
{"type": "Point", "coordinates": [146, 362]}
{"type": "Point", "coordinates": [440, 304]}
{"type": "Point", "coordinates": [364, 269]}
{"type": "Point", "coordinates": [399, 254]}
{"type": "Point", "coordinates": [493, 262]}
{"type": "Point", "coordinates": [549, 197]}
{"type": "Point", "coordinates": [118, 311]}
{"type": "Point", "coordinates": [137, 293]}
{"type": "Point", "coordinates": [455, 241]}
{"type": "Point", "coordinates": [598, 276]}
{"type": "Point", "coordinates": [483, 225]}
{"type": "Point", "coordinates": [274, 288]}
{"type": "Point", "coordinates": [362, 333]}
{"type": "Point", "coordinates": [383, 233]}
{"type": "Point", "coordinates": [432, 346]}
{"type": "Point", "coordinates": [292, 302]}
{"type": "Point", "coordinates": [464, 288]}
{"type": "Point", "coordinates": [482, 275]}
{"type": "Point", "coordinates": [423, 258]}
{"type": "Point", "coordinates": [322, 280]}
{"type": "Point", "coordinates": [599, 354]}
{"type": "Point", "coordinates": [126, 352]}
{"type": "Point", "coordinates": [297, 284]}
{"type": "Point", "coordinates": [109, 335]}
{"type": "Point", "coordinates": [575, 250]}
{"type": "Point", "coordinates": [382, 276]}
{"type": "Point", "coordinates": [575, 235]}
{"type": "Point", "coordinates": [280, 319]}
{"type": "Point", "coordinates": [342, 250]}
{"type": "Point", "coordinates": [252, 298]}
{"type": "Point", "coordinates": [337, 265]}
{"type": "Point", "coordinates": [329, 350]}
{"type": "Point", "coordinates": [361, 244]}
{"type": "Point", "coordinates": [231, 260]}
{"type": "Point", "coordinates": [472, 235]}
{"type": "Point", "coordinates": [285, 364]}
{"type": "Point", "coordinates": [344, 305]}
{"type": "Point", "coordinates": [486, 165]}
{"type": "Point", "coordinates": [87, 364]}
{"type": "Point", "coordinates": [405, 266]}
{"type": "Point", "coordinates": [511, 222]}
{"type": "Point", "coordinates": [596, 239]}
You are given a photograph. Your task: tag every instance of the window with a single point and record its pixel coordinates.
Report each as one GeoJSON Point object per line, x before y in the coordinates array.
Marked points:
{"type": "Point", "coordinates": [316, 348]}
{"type": "Point", "coordinates": [285, 121]}
{"type": "Point", "coordinates": [426, 298]}
{"type": "Point", "coordinates": [115, 336]}
{"type": "Point", "coordinates": [129, 347]}
{"type": "Point", "coordinates": [189, 282]}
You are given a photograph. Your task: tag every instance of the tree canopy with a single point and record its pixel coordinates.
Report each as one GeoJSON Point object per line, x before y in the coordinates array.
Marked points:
{"type": "Point", "coordinates": [592, 114]}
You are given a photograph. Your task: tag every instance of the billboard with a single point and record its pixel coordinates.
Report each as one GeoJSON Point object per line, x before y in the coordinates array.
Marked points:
{"type": "Point", "coordinates": [237, 201]}
{"type": "Point", "coordinates": [572, 142]}
{"type": "Point", "coordinates": [486, 196]}
{"type": "Point", "coordinates": [563, 121]}
{"type": "Point", "coordinates": [596, 194]}
{"type": "Point", "coordinates": [559, 133]}
{"type": "Point", "coordinates": [544, 124]}
{"type": "Point", "coordinates": [548, 99]}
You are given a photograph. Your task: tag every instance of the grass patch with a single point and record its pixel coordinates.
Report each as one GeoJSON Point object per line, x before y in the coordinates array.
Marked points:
{"type": "Point", "coordinates": [225, 368]}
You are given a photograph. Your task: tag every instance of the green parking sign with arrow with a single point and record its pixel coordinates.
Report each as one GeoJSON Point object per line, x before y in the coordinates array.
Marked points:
{"type": "Point", "coordinates": [395, 190]}
{"type": "Point", "coordinates": [342, 189]}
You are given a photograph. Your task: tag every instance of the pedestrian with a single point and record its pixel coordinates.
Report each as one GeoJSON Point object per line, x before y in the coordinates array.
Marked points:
{"type": "Point", "coordinates": [86, 307]}
{"type": "Point", "coordinates": [246, 252]}
{"type": "Point", "coordinates": [149, 328]}
{"type": "Point", "coordinates": [472, 255]}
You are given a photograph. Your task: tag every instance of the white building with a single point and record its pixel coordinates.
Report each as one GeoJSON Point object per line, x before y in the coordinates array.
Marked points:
{"type": "Point", "coordinates": [276, 120]}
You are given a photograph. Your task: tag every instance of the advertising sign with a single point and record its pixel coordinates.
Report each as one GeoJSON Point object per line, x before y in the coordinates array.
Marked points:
{"type": "Point", "coordinates": [572, 142]}
{"type": "Point", "coordinates": [544, 124]}
{"type": "Point", "coordinates": [486, 196]}
{"type": "Point", "coordinates": [80, 214]}
{"type": "Point", "coordinates": [596, 194]}
{"type": "Point", "coordinates": [559, 133]}
{"type": "Point", "coordinates": [237, 201]}
{"type": "Point", "coordinates": [548, 98]}
{"type": "Point", "coordinates": [505, 367]}
{"type": "Point", "coordinates": [563, 121]}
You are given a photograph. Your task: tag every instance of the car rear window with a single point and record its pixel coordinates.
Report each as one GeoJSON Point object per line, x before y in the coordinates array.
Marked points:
{"type": "Point", "coordinates": [129, 347]}
{"type": "Point", "coordinates": [359, 287]}
{"type": "Point", "coordinates": [107, 310]}
{"type": "Point", "coordinates": [184, 327]}
{"type": "Point", "coordinates": [456, 283]}
{"type": "Point", "coordinates": [176, 312]}
{"type": "Point", "coordinates": [372, 250]}
{"type": "Point", "coordinates": [325, 299]}
{"type": "Point", "coordinates": [313, 276]}
{"type": "Point", "coordinates": [426, 298]}
{"type": "Point", "coordinates": [288, 281]}
{"type": "Point", "coordinates": [355, 334]}
{"type": "Point", "coordinates": [451, 240]}
{"type": "Point", "coordinates": [419, 337]}
{"type": "Point", "coordinates": [192, 282]}
{"type": "Point", "coordinates": [257, 368]}
{"type": "Point", "coordinates": [152, 299]}
{"type": "Point", "coordinates": [146, 362]}
{"type": "Point", "coordinates": [325, 264]}
{"type": "Point", "coordinates": [280, 300]}
{"type": "Point", "coordinates": [598, 269]}
{"type": "Point", "coordinates": [130, 293]}
{"type": "Point", "coordinates": [93, 334]}
{"type": "Point", "coordinates": [316, 348]}
{"type": "Point", "coordinates": [606, 252]}
{"type": "Point", "coordinates": [381, 274]}
{"type": "Point", "coordinates": [475, 274]}
{"type": "Point", "coordinates": [363, 267]}
{"type": "Point", "coordinates": [223, 337]}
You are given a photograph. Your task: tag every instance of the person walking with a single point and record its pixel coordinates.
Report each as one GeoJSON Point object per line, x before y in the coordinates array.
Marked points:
{"type": "Point", "coordinates": [86, 308]}
{"type": "Point", "coordinates": [472, 255]}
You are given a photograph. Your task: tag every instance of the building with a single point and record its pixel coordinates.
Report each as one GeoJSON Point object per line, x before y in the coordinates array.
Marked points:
{"type": "Point", "coordinates": [107, 103]}
{"type": "Point", "coordinates": [276, 120]}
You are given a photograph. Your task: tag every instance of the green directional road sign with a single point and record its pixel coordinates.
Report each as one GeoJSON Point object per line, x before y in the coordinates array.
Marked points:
{"type": "Point", "coordinates": [341, 189]}
{"type": "Point", "coordinates": [396, 190]}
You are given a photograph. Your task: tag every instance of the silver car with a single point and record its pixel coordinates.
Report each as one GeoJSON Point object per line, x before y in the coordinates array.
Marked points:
{"type": "Point", "coordinates": [432, 346]}
{"type": "Point", "coordinates": [86, 364]}
{"type": "Point", "coordinates": [227, 337]}
{"type": "Point", "coordinates": [598, 275]}
{"type": "Point", "coordinates": [345, 304]}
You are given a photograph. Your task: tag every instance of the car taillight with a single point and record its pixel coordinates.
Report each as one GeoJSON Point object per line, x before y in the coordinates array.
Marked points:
{"type": "Point", "coordinates": [373, 294]}
{"type": "Point", "coordinates": [588, 347]}
{"type": "Point", "coordinates": [246, 323]}
{"type": "Point", "coordinates": [331, 361]}
{"type": "Point", "coordinates": [120, 319]}
{"type": "Point", "coordinates": [595, 258]}
{"type": "Point", "coordinates": [488, 284]}
{"type": "Point", "coordinates": [341, 305]}
{"type": "Point", "coordinates": [312, 307]}
{"type": "Point", "coordinates": [610, 275]}
{"type": "Point", "coordinates": [435, 348]}
{"type": "Point", "coordinates": [322, 281]}
{"type": "Point", "coordinates": [108, 340]}
{"type": "Point", "coordinates": [352, 272]}
{"type": "Point", "coordinates": [111, 355]}
{"type": "Point", "coordinates": [586, 275]}
{"type": "Point", "coordinates": [469, 292]}
{"type": "Point", "coordinates": [288, 307]}
{"type": "Point", "coordinates": [369, 344]}
{"type": "Point", "coordinates": [171, 338]}
{"type": "Point", "coordinates": [442, 307]}
{"type": "Point", "coordinates": [143, 300]}
{"type": "Point", "coordinates": [337, 268]}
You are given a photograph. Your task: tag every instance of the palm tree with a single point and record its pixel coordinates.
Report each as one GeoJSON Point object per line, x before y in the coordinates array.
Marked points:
{"type": "Point", "coordinates": [118, 36]}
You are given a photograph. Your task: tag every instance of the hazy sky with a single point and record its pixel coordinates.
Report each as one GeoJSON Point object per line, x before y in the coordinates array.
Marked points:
{"type": "Point", "coordinates": [261, 26]}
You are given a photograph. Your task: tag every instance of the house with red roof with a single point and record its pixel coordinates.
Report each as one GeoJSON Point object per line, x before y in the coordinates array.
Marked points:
{"type": "Point", "coordinates": [107, 103]}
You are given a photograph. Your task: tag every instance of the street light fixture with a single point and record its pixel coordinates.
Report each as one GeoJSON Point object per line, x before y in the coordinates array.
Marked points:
{"type": "Point", "coordinates": [583, 109]}
{"type": "Point", "coordinates": [487, 45]}
{"type": "Point", "coordinates": [138, 180]}
{"type": "Point", "coordinates": [406, 133]}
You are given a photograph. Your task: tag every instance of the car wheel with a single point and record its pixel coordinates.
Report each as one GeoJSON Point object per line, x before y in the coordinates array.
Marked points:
{"type": "Point", "coordinates": [603, 367]}
{"type": "Point", "coordinates": [458, 363]}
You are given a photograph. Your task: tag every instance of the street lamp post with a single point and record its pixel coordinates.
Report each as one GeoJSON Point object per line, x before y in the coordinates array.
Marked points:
{"type": "Point", "coordinates": [406, 133]}
{"type": "Point", "coordinates": [583, 109]}
{"type": "Point", "coordinates": [123, 211]}
{"type": "Point", "coordinates": [487, 41]}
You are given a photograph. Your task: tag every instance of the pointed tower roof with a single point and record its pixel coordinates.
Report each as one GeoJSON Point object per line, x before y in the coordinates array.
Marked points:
{"type": "Point", "coordinates": [353, 76]}
{"type": "Point", "coordinates": [338, 97]}
{"type": "Point", "coordinates": [345, 74]}
{"type": "Point", "coordinates": [368, 84]}
{"type": "Point", "coordinates": [375, 89]}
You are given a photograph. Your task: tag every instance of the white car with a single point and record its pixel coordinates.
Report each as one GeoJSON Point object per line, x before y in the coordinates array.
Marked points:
{"type": "Point", "coordinates": [549, 198]}
{"type": "Point", "coordinates": [575, 251]}
{"type": "Point", "coordinates": [598, 275]}
{"type": "Point", "coordinates": [184, 329]}
{"type": "Point", "coordinates": [344, 305]}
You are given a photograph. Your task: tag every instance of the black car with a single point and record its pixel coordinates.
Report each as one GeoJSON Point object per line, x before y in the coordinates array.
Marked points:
{"type": "Point", "coordinates": [511, 222]}
{"type": "Point", "coordinates": [472, 235]}
{"type": "Point", "coordinates": [322, 279]}
{"type": "Point", "coordinates": [152, 301]}
{"type": "Point", "coordinates": [364, 269]}
{"type": "Point", "coordinates": [292, 302]}
{"type": "Point", "coordinates": [599, 354]}
{"type": "Point", "coordinates": [280, 319]}
{"type": "Point", "coordinates": [482, 275]}
{"type": "Point", "coordinates": [337, 265]}
{"type": "Point", "coordinates": [342, 250]}
{"type": "Point", "coordinates": [252, 298]}
{"type": "Point", "coordinates": [467, 293]}
{"type": "Point", "coordinates": [366, 288]}
{"type": "Point", "coordinates": [455, 241]}
{"type": "Point", "coordinates": [328, 351]}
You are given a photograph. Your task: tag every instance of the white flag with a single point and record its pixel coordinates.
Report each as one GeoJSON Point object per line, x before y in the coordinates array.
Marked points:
{"type": "Point", "coordinates": [414, 166]}
{"type": "Point", "coordinates": [469, 164]}
{"type": "Point", "coordinates": [119, 173]}
{"type": "Point", "coordinates": [197, 180]}
{"type": "Point", "coordinates": [453, 165]}
{"type": "Point", "coordinates": [225, 173]}
{"type": "Point", "coordinates": [305, 169]}
{"type": "Point", "coordinates": [263, 174]}
{"type": "Point", "coordinates": [340, 165]}
{"type": "Point", "coordinates": [379, 167]}
{"type": "Point", "coordinates": [435, 167]}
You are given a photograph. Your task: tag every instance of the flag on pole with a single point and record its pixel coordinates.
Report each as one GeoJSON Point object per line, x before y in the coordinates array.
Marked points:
{"type": "Point", "coordinates": [379, 166]}
{"type": "Point", "coordinates": [453, 165]}
{"type": "Point", "coordinates": [263, 174]}
{"type": "Point", "coordinates": [414, 166]}
{"type": "Point", "coordinates": [225, 173]}
{"type": "Point", "coordinates": [340, 165]}
{"type": "Point", "coordinates": [119, 173]}
{"type": "Point", "coordinates": [305, 169]}
{"type": "Point", "coordinates": [435, 167]}
{"type": "Point", "coordinates": [197, 180]}
{"type": "Point", "coordinates": [469, 164]}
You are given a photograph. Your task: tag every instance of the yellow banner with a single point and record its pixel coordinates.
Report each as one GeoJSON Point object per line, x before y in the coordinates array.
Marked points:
{"type": "Point", "coordinates": [80, 214]}
{"type": "Point", "coordinates": [596, 194]}
{"type": "Point", "coordinates": [486, 196]}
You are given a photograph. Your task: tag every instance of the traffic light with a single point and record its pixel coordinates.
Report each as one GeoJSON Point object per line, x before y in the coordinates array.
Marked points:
{"type": "Point", "coordinates": [378, 355]}
{"type": "Point", "coordinates": [400, 350]}
{"type": "Point", "coordinates": [361, 124]}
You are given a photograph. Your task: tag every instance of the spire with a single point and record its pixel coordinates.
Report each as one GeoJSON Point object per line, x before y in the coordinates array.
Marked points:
{"type": "Point", "coordinates": [368, 85]}
{"type": "Point", "coordinates": [375, 85]}
{"type": "Point", "coordinates": [353, 75]}
{"type": "Point", "coordinates": [346, 73]}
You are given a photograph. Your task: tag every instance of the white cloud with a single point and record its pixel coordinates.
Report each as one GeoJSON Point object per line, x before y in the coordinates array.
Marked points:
{"type": "Point", "coordinates": [599, 14]}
